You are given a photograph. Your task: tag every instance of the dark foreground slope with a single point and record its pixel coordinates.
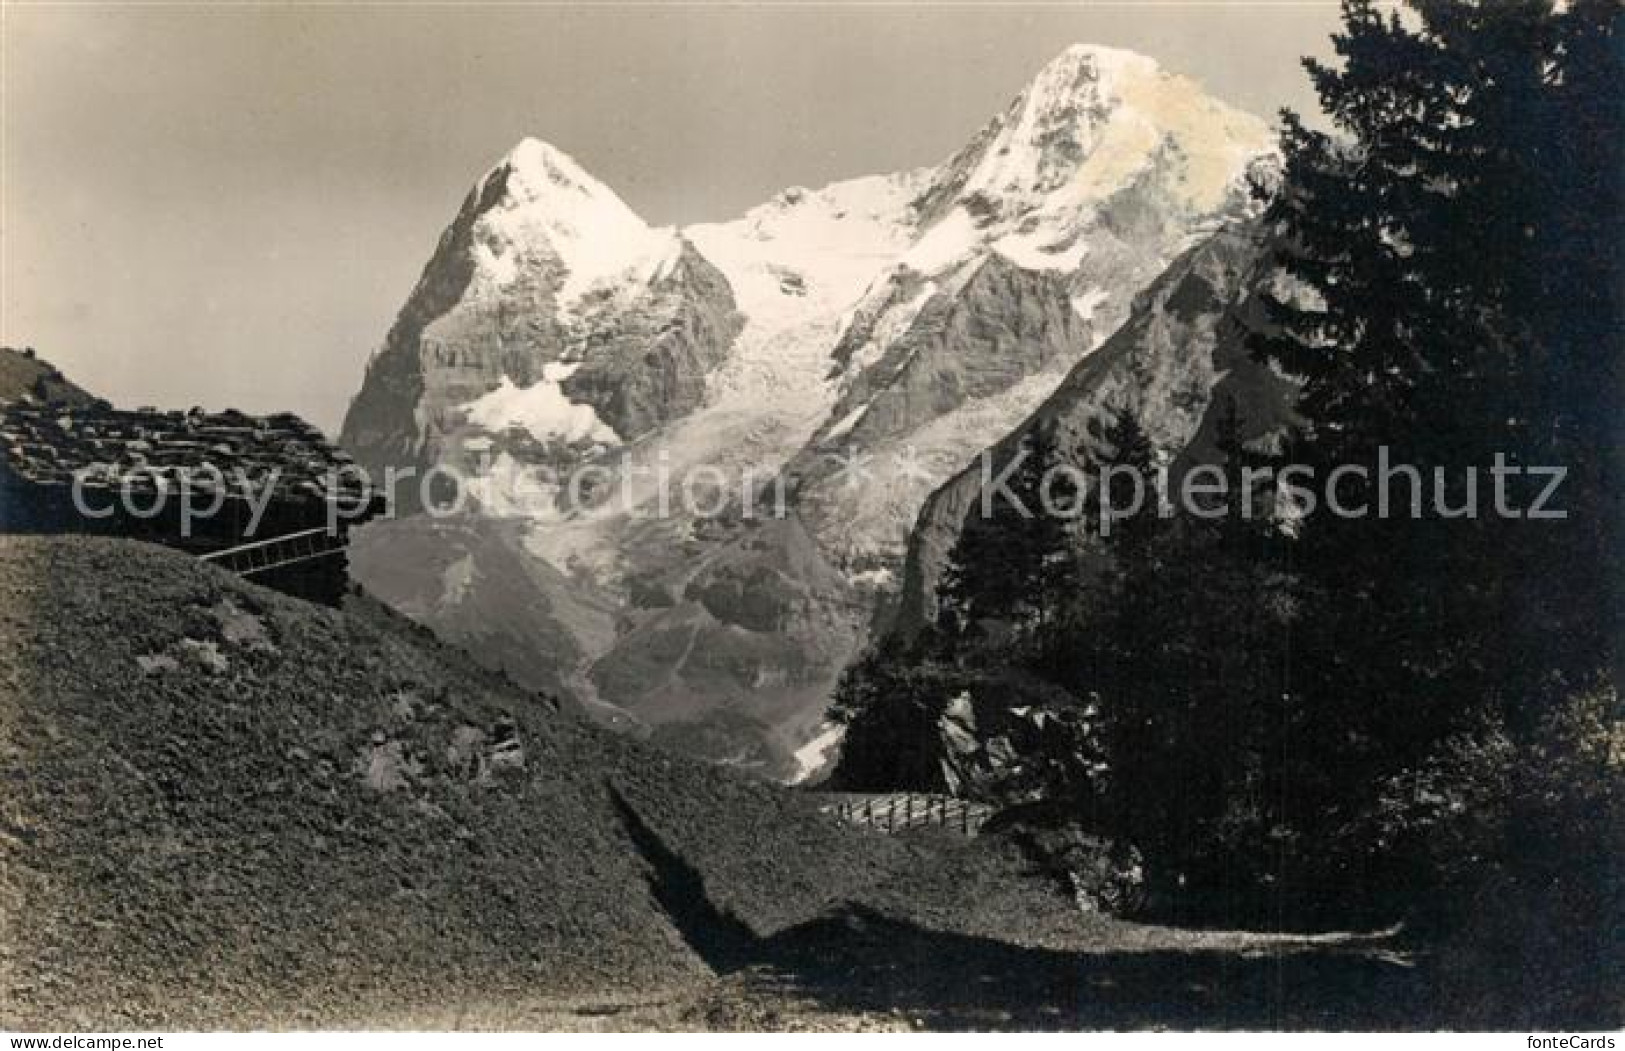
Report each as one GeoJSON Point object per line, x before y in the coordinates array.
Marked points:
{"type": "Point", "coordinates": [220, 805]}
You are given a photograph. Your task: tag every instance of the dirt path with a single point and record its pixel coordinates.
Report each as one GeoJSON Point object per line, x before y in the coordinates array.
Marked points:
{"type": "Point", "coordinates": [973, 943]}
{"type": "Point", "coordinates": [856, 973]}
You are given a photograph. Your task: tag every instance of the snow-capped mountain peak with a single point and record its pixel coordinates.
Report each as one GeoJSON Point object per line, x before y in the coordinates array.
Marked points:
{"type": "Point", "coordinates": [537, 174]}
{"type": "Point", "coordinates": [1056, 122]}
{"type": "Point", "coordinates": [542, 205]}
{"type": "Point", "coordinates": [1092, 122]}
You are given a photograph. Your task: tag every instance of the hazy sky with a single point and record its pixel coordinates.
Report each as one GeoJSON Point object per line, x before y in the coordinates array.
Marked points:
{"type": "Point", "coordinates": [225, 206]}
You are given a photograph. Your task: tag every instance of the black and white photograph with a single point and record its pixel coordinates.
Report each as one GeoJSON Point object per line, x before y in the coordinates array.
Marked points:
{"type": "Point", "coordinates": [811, 516]}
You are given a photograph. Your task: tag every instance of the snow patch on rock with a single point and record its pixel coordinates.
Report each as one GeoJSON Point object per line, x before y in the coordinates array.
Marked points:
{"type": "Point", "coordinates": [544, 410]}
{"type": "Point", "coordinates": [844, 426]}
{"type": "Point", "coordinates": [815, 756]}
{"type": "Point", "coordinates": [1088, 301]}
{"type": "Point", "coordinates": [1038, 253]}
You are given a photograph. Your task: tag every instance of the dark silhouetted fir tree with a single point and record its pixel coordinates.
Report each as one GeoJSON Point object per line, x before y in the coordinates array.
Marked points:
{"type": "Point", "coordinates": [1016, 560]}
{"type": "Point", "coordinates": [1453, 260]}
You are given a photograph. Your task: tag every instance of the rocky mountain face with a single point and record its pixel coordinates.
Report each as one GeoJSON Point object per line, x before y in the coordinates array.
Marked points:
{"type": "Point", "coordinates": [472, 580]}
{"type": "Point", "coordinates": [823, 364]}
{"type": "Point", "coordinates": [1033, 241]}
{"type": "Point", "coordinates": [907, 419]}
{"type": "Point", "coordinates": [1178, 364]}
{"type": "Point", "coordinates": [550, 318]}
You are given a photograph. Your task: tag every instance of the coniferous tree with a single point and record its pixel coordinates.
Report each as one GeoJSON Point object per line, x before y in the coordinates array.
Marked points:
{"type": "Point", "coordinates": [1428, 247]}
{"type": "Point", "coordinates": [1131, 511]}
{"type": "Point", "coordinates": [1450, 293]}
{"type": "Point", "coordinates": [1017, 563]}
{"type": "Point", "coordinates": [1178, 646]}
{"type": "Point", "coordinates": [1117, 516]}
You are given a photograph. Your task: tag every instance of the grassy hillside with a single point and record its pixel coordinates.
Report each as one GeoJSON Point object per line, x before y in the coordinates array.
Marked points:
{"type": "Point", "coordinates": [220, 803]}
{"type": "Point", "coordinates": [222, 807]}
{"type": "Point", "coordinates": [22, 373]}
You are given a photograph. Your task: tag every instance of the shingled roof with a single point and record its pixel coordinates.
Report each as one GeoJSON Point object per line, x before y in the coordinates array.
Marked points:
{"type": "Point", "coordinates": [148, 449]}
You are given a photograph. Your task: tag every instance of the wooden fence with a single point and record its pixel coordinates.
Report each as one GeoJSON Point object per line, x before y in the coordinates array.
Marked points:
{"type": "Point", "coordinates": [286, 550]}
{"type": "Point", "coordinates": [900, 811]}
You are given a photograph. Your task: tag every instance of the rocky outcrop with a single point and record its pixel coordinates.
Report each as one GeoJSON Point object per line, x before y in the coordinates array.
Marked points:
{"type": "Point", "coordinates": [646, 366]}
{"type": "Point", "coordinates": [896, 429]}
{"type": "Point", "coordinates": [1001, 737]}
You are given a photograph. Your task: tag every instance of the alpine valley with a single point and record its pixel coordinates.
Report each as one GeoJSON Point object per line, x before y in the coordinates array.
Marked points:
{"type": "Point", "coordinates": [853, 348]}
